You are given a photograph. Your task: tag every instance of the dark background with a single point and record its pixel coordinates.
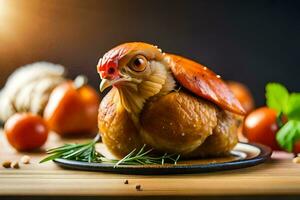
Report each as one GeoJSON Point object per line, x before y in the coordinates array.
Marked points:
{"type": "Point", "coordinates": [253, 42]}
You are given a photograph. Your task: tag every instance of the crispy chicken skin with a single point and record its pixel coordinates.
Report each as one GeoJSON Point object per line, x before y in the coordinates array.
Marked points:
{"type": "Point", "coordinates": [177, 123]}
{"type": "Point", "coordinates": [116, 127]}
{"type": "Point", "coordinates": [223, 139]}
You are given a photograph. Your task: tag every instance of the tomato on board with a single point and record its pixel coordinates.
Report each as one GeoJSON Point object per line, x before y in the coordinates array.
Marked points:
{"type": "Point", "coordinates": [296, 148]}
{"type": "Point", "coordinates": [72, 111]}
{"type": "Point", "coordinates": [260, 126]}
{"type": "Point", "coordinates": [25, 131]}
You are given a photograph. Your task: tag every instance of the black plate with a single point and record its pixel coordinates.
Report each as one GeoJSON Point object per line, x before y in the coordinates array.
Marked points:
{"type": "Point", "coordinates": [243, 155]}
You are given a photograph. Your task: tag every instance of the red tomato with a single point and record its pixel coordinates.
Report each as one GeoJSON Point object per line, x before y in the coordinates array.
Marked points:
{"type": "Point", "coordinates": [26, 132]}
{"type": "Point", "coordinates": [72, 111]}
{"type": "Point", "coordinates": [260, 126]}
{"type": "Point", "coordinates": [296, 148]}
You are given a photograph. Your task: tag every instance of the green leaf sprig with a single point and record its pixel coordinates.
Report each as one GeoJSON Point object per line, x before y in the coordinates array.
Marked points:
{"type": "Point", "coordinates": [87, 153]}
{"type": "Point", "coordinates": [81, 152]}
{"type": "Point", "coordinates": [143, 157]}
{"type": "Point", "coordinates": [282, 101]}
{"type": "Point", "coordinates": [285, 104]}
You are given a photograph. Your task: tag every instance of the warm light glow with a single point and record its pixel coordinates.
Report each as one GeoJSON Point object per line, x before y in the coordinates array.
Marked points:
{"type": "Point", "coordinates": [4, 13]}
{"type": "Point", "coordinates": [6, 20]}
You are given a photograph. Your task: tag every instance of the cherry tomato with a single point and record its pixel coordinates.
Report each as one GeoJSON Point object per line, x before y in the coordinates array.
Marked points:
{"type": "Point", "coordinates": [296, 148]}
{"type": "Point", "coordinates": [26, 131]}
{"type": "Point", "coordinates": [260, 126]}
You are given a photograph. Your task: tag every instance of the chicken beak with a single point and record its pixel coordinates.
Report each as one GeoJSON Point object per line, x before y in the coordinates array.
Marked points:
{"type": "Point", "coordinates": [105, 83]}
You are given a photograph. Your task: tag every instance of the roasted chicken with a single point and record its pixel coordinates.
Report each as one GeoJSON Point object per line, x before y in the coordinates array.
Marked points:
{"type": "Point", "coordinates": [168, 102]}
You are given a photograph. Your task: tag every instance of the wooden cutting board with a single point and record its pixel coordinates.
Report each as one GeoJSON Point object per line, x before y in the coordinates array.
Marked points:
{"type": "Point", "coordinates": [278, 176]}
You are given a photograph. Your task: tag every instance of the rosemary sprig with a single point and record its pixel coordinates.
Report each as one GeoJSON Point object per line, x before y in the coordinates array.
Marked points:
{"type": "Point", "coordinates": [87, 153]}
{"type": "Point", "coordinates": [80, 152]}
{"type": "Point", "coordinates": [143, 157]}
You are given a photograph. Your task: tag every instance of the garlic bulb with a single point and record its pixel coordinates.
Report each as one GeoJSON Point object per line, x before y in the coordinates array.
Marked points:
{"type": "Point", "coordinates": [29, 87]}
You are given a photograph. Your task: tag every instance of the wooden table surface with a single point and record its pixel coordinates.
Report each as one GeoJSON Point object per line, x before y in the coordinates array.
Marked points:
{"type": "Point", "coordinates": [279, 176]}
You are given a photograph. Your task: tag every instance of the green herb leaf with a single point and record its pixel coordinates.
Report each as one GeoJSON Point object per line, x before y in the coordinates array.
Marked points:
{"type": "Point", "coordinates": [142, 157]}
{"type": "Point", "coordinates": [83, 152]}
{"type": "Point", "coordinates": [87, 153]}
{"type": "Point", "coordinates": [52, 157]}
{"type": "Point", "coordinates": [288, 135]}
{"type": "Point", "coordinates": [293, 107]}
{"type": "Point", "coordinates": [277, 97]}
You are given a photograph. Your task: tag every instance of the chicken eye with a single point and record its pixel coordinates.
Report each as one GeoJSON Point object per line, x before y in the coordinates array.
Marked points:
{"type": "Point", "coordinates": [138, 64]}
